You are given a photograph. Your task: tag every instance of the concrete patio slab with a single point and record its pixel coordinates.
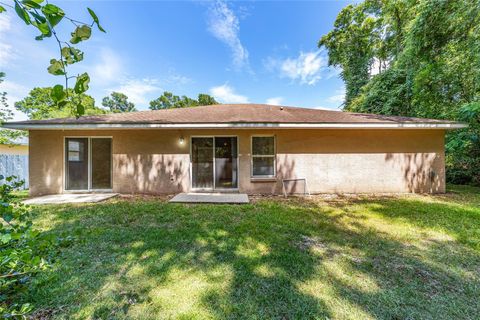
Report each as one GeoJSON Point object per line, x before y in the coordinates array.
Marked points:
{"type": "Point", "coordinates": [233, 198]}
{"type": "Point", "coordinates": [70, 198]}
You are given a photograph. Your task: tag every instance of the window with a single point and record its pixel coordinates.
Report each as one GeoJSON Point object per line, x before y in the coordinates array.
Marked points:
{"type": "Point", "coordinates": [74, 151]}
{"type": "Point", "coordinates": [88, 163]}
{"type": "Point", "coordinates": [263, 156]}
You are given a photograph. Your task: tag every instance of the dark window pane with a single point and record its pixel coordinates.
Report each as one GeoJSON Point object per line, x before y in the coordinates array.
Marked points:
{"type": "Point", "coordinates": [225, 162]}
{"type": "Point", "coordinates": [263, 166]}
{"type": "Point", "coordinates": [263, 145]}
{"type": "Point", "coordinates": [101, 163]}
{"type": "Point", "coordinates": [76, 163]}
{"type": "Point", "coordinates": [202, 163]}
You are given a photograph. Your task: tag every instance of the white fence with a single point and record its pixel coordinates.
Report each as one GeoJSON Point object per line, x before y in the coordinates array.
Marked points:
{"type": "Point", "coordinates": [14, 165]}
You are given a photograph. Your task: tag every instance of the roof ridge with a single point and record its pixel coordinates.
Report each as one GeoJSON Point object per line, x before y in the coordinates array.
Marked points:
{"type": "Point", "coordinates": [224, 114]}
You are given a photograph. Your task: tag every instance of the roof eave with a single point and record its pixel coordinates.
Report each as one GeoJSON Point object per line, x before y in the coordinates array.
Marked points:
{"type": "Point", "coordinates": [106, 126]}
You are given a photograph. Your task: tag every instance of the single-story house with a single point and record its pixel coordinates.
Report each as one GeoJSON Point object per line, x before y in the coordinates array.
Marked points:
{"type": "Point", "coordinates": [247, 148]}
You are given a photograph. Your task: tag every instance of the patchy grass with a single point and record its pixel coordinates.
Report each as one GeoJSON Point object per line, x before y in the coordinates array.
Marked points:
{"type": "Point", "coordinates": [403, 257]}
{"type": "Point", "coordinates": [20, 194]}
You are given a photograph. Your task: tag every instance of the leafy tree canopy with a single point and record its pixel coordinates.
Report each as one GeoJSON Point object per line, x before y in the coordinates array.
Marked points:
{"type": "Point", "coordinates": [39, 104]}
{"type": "Point", "coordinates": [414, 58]}
{"type": "Point", "coordinates": [168, 101]}
{"type": "Point", "coordinates": [118, 102]}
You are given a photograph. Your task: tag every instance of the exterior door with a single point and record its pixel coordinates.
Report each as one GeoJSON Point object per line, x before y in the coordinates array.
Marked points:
{"type": "Point", "coordinates": [76, 167]}
{"type": "Point", "coordinates": [214, 163]}
{"type": "Point", "coordinates": [226, 163]}
{"type": "Point", "coordinates": [202, 163]}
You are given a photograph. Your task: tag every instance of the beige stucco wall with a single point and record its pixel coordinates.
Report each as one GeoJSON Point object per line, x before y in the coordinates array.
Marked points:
{"type": "Point", "coordinates": [21, 150]}
{"type": "Point", "coordinates": [333, 161]}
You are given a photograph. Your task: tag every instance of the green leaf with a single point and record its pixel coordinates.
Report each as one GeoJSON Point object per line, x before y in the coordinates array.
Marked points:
{"type": "Point", "coordinates": [80, 34]}
{"type": "Point", "coordinates": [39, 18]}
{"type": "Point", "coordinates": [58, 94]}
{"type": "Point", "coordinates": [31, 4]}
{"type": "Point", "coordinates": [82, 83]}
{"type": "Point", "coordinates": [95, 19]}
{"type": "Point", "coordinates": [22, 13]}
{"type": "Point", "coordinates": [56, 67]}
{"type": "Point", "coordinates": [62, 104]}
{"type": "Point", "coordinates": [80, 109]}
{"type": "Point", "coordinates": [44, 29]}
{"type": "Point", "coordinates": [71, 55]}
{"type": "Point", "coordinates": [5, 238]}
{"type": "Point", "coordinates": [7, 217]}
{"type": "Point", "coordinates": [53, 13]}
{"type": "Point", "coordinates": [2, 9]}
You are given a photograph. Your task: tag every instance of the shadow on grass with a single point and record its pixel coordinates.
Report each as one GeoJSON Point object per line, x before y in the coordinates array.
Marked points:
{"type": "Point", "coordinates": [277, 260]}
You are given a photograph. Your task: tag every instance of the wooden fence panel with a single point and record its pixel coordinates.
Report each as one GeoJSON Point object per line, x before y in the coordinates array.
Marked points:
{"type": "Point", "coordinates": [14, 165]}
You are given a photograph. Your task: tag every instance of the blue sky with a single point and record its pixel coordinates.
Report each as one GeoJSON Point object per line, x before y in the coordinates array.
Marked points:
{"type": "Point", "coordinates": [256, 51]}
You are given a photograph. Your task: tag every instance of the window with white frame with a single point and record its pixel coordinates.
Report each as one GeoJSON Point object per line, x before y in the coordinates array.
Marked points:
{"type": "Point", "coordinates": [263, 156]}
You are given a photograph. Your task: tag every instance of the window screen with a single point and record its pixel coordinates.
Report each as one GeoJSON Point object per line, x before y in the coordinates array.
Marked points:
{"type": "Point", "coordinates": [263, 156]}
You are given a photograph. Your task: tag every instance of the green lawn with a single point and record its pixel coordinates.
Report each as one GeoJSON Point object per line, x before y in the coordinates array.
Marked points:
{"type": "Point", "coordinates": [404, 257]}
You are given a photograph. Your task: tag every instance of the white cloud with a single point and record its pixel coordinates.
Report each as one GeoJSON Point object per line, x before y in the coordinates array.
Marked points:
{"type": "Point", "coordinates": [173, 78]}
{"type": "Point", "coordinates": [109, 67]}
{"type": "Point", "coordinates": [226, 94]}
{"type": "Point", "coordinates": [17, 44]}
{"type": "Point", "coordinates": [15, 92]}
{"type": "Point", "coordinates": [138, 90]}
{"type": "Point", "coordinates": [112, 73]}
{"type": "Point", "coordinates": [306, 68]}
{"type": "Point", "coordinates": [276, 101]}
{"type": "Point", "coordinates": [325, 108]}
{"type": "Point", "coordinates": [6, 51]}
{"type": "Point", "coordinates": [224, 25]}
{"type": "Point", "coordinates": [338, 97]}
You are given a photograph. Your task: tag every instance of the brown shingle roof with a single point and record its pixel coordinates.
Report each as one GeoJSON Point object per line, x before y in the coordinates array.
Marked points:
{"type": "Point", "coordinates": [231, 113]}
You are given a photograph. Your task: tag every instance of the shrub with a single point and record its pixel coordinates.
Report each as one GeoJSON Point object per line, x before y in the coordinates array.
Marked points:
{"type": "Point", "coordinates": [24, 251]}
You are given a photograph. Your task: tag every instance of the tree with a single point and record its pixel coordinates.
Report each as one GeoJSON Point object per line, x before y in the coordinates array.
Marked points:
{"type": "Point", "coordinates": [46, 17]}
{"type": "Point", "coordinates": [431, 51]}
{"type": "Point", "coordinates": [39, 104]}
{"type": "Point", "coordinates": [7, 136]}
{"type": "Point", "coordinates": [168, 101]}
{"type": "Point", "coordinates": [463, 148]}
{"type": "Point", "coordinates": [364, 40]}
{"type": "Point", "coordinates": [206, 100]}
{"type": "Point", "coordinates": [118, 102]}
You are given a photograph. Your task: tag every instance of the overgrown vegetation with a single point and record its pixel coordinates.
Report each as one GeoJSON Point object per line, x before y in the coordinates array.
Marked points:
{"type": "Point", "coordinates": [24, 251]}
{"type": "Point", "coordinates": [415, 58]}
{"type": "Point", "coordinates": [403, 257]}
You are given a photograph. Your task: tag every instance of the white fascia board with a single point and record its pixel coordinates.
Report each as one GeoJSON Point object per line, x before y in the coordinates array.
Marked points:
{"type": "Point", "coordinates": [106, 126]}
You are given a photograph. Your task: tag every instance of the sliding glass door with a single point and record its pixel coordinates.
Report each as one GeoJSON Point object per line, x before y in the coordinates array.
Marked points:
{"type": "Point", "coordinates": [101, 163]}
{"type": "Point", "coordinates": [225, 162]}
{"type": "Point", "coordinates": [88, 164]}
{"type": "Point", "coordinates": [214, 163]}
{"type": "Point", "coordinates": [202, 163]}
